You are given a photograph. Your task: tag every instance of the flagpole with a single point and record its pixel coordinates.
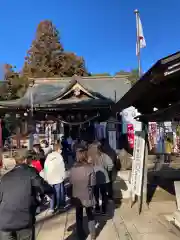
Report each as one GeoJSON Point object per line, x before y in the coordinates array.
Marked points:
{"type": "Point", "coordinates": [138, 42]}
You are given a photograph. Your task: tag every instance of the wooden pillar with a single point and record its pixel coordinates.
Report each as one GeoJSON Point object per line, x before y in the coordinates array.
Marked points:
{"type": "Point", "coordinates": [25, 126]}
{"type": "Point", "coordinates": [31, 140]}
{"type": "Point", "coordinates": [61, 129]}
{"type": "Point", "coordinates": [18, 140]}
{"type": "Point", "coordinates": [18, 130]}
{"type": "Point", "coordinates": [143, 198]}
{"type": "Point", "coordinates": [31, 134]}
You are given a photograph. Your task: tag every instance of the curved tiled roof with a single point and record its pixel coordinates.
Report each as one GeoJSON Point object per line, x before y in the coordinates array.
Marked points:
{"type": "Point", "coordinates": [46, 90]}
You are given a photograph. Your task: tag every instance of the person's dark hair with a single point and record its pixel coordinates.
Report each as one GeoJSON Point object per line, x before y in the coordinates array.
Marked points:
{"type": "Point", "coordinates": [30, 155]}
{"type": "Point", "coordinates": [81, 156]}
{"type": "Point", "coordinates": [38, 146]}
{"type": "Point", "coordinates": [29, 159]}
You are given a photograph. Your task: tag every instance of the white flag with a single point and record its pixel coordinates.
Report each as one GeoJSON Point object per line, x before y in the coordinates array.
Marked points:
{"type": "Point", "coordinates": [140, 36]}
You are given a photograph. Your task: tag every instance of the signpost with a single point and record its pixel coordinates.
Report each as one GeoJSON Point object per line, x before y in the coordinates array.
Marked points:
{"type": "Point", "coordinates": [138, 167]}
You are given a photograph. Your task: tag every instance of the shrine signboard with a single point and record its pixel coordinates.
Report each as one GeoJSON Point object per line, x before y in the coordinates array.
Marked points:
{"type": "Point", "coordinates": [138, 163]}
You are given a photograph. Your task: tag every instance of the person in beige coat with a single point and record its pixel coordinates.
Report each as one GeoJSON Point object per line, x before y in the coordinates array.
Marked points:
{"type": "Point", "coordinates": [82, 178]}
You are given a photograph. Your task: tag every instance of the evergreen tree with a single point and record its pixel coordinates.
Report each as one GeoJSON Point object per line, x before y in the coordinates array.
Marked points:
{"type": "Point", "coordinates": [46, 57]}
{"type": "Point", "coordinates": [14, 85]}
{"type": "Point", "coordinates": [72, 65]}
{"type": "Point", "coordinates": [43, 51]}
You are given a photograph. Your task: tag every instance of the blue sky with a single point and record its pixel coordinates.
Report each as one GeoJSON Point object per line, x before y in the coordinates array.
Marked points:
{"type": "Point", "coordinates": [102, 31]}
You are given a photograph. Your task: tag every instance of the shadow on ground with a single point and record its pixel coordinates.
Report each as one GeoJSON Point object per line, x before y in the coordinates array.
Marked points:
{"type": "Point", "coordinates": [48, 217]}
{"type": "Point", "coordinates": [164, 179]}
{"type": "Point", "coordinates": [100, 224]}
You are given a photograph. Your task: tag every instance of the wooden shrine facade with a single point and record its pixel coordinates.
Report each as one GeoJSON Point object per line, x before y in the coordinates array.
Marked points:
{"type": "Point", "coordinates": [75, 102]}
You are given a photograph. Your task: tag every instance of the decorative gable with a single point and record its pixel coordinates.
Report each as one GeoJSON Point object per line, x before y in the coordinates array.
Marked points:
{"type": "Point", "coordinates": [76, 91]}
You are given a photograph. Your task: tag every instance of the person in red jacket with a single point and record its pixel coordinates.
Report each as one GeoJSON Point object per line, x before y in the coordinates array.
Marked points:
{"type": "Point", "coordinates": [37, 165]}
{"type": "Point", "coordinates": [31, 158]}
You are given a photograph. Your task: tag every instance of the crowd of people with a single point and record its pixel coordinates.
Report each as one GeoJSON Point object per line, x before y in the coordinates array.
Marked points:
{"type": "Point", "coordinates": [40, 174]}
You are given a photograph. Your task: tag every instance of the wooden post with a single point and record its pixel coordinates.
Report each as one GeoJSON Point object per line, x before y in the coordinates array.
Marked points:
{"type": "Point", "coordinates": [142, 200]}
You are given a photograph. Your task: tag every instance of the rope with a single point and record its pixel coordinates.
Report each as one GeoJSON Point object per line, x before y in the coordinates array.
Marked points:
{"type": "Point", "coordinates": [79, 123]}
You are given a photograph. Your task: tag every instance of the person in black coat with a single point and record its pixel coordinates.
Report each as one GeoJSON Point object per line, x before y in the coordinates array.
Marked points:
{"type": "Point", "coordinates": [19, 189]}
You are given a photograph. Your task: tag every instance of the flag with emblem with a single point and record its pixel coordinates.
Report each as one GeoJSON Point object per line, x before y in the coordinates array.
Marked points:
{"type": "Point", "coordinates": [140, 36]}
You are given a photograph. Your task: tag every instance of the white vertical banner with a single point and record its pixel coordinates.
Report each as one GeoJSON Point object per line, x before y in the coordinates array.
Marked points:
{"type": "Point", "coordinates": [112, 139]}
{"type": "Point", "coordinates": [36, 138]}
{"type": "Point", "coordinates": [138, 163]}
{"type": "Point", "coordinates": [104, 125]}
{"type": "Point", "coordinates": [61, 130]}
{"type": "Point", "coordinates": [48, 133]}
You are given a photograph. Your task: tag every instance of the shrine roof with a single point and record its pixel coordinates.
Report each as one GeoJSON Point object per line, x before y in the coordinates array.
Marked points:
{"type": "Point", "coordinates": [157, 88]}
{"type": "Point", "coordinates": [47, 91]}
{"type": "Point", "coordinates": [171, 113]}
